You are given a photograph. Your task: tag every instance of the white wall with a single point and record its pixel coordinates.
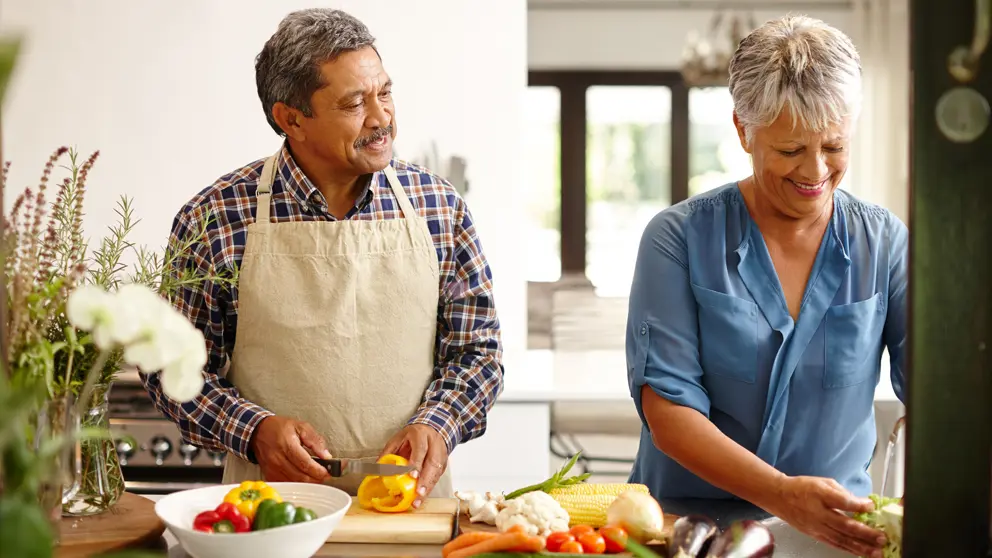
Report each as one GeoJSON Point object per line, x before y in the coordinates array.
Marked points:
{"type": "Point", "coordinates": [642, 39]}
{"type": "Point", "coordinates": [575, 37]}
{"type": "Point", "coordinates": [166, 92]}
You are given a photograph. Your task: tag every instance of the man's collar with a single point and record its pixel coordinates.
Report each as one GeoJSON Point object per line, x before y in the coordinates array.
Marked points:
{"type": "Point", "coordinates": [303, 190]}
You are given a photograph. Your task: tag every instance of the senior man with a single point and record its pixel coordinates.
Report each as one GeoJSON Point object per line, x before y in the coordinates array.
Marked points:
{"type": "Point", "coordinates": [363, 320]}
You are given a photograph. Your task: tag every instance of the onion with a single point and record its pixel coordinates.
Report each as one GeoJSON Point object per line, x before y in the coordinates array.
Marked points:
{"type": "Point", "coordinates": [639, 514]}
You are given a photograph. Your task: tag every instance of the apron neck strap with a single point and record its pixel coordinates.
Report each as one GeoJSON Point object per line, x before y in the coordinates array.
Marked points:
{"type": "Point", "coordinates": [399, 192]}
{"type": "Point", "coordinates": [264, 191]}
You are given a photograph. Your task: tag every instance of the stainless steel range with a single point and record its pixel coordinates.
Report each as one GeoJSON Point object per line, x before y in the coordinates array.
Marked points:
{"type": "Point", "coordinates": [153, 457]}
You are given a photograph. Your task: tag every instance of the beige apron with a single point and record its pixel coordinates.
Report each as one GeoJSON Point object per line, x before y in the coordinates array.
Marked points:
{"type": "Point", "coordinates": [337, 322]}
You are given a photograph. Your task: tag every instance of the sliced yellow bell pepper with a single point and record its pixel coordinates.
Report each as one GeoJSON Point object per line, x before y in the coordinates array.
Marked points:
{"type": "Point", "coordinates": [390, 494]}
{"type": "Point", "coordinates": [249, 494]}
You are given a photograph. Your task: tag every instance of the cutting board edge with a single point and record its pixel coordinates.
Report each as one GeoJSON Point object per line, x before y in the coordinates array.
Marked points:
{"type": "Point", "coordinates": [361, 531]}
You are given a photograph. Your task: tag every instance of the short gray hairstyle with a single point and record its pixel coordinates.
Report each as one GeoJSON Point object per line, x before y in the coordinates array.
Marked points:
{"type": "Point", "coordinates": [288, 68]}
{"type": "Point", "coordinates": [799, 62]}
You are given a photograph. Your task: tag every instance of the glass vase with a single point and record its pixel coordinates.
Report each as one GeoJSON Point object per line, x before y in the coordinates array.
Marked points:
{"type": "Point", "coordinates": [101, 481]}
{"type": "Point", "coordinates": [57, 419]}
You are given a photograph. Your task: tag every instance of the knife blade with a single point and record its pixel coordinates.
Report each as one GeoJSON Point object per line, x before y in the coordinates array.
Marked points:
{"type": "Point", "coordinates": [342, 467]}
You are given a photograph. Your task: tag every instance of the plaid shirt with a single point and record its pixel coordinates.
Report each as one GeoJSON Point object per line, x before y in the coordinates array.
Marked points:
{"type": "Point", "coordinates": [468, 354]}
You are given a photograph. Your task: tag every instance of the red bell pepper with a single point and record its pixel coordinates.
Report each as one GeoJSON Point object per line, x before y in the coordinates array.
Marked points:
{"type": "Point", "coordinates": [224, 519]}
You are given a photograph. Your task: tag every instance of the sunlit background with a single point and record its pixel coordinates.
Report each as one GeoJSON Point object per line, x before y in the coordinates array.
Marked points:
{"type": "Point", "coordinates": [166, 92]}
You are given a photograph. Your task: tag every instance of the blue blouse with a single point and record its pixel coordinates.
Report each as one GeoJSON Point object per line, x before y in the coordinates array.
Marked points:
{"type": "Point", "coordinates": [708, 328]}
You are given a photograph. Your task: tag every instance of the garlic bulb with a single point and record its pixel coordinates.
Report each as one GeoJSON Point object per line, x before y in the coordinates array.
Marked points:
{"type": "Point", "coordinates": [481, 508]}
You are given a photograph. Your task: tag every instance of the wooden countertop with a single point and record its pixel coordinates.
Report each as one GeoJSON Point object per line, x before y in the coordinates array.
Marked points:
{"type": "Point", "coordinates": [336, 550]}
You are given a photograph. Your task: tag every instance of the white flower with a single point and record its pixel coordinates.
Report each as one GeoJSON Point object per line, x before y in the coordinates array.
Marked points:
{"type": "Point", "coordinates": [112, 319]}
{"type": "Point", "coordinates": [155, 336]}
{"type": "Point", "coordinates": [161, 339]}
{"type": "Point", "coordinates": [182, 379]}
{"type": "Point", "coordinates": [88, 307]}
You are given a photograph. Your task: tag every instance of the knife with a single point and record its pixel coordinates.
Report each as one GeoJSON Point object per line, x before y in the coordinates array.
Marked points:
{"type": "Point", "coordinates": [342, 467]}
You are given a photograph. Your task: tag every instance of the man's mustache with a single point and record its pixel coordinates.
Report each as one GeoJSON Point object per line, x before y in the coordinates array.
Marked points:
{"type": "Point", "coordinates": [376, 136]}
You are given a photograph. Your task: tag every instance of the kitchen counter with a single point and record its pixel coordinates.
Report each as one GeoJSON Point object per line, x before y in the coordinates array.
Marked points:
{"type": "Point", "coordinates": [789, 542]}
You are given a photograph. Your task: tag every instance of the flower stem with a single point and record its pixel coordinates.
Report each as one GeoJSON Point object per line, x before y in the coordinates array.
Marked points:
{"type": "Point", "coordinates": [68, 369]}
{"type": "Point", "coordinates": [91, 378]}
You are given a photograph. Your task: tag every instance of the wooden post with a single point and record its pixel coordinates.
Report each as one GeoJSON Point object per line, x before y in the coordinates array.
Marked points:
{"type": "Point", "coordinates": [949, 404]}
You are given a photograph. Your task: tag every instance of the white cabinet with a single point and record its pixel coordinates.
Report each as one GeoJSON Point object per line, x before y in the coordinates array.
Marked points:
{"type": "Point", "coordinates": [511, 454]}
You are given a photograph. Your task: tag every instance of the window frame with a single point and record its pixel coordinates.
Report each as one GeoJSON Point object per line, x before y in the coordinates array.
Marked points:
{"type": "Point", "coordinates": [572, 86]}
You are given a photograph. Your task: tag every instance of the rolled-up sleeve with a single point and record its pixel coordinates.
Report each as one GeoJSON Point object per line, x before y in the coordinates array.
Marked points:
{"type": "Point", "coordinates": [662, 331]}
{"type": "Point", "coordinates": [894, 334]}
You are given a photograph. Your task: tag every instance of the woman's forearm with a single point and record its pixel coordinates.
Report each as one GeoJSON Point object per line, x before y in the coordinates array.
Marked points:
{"type": "Point", "coordinates": [697, 444]}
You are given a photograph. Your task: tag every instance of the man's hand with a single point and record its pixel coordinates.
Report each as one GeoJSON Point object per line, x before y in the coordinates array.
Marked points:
{"type": "Point", "coordinates": [815, 506]}
{"type": "Point", "coordinates": [283, 448]}
{"type": "Point", "coordinates": [426, 451]}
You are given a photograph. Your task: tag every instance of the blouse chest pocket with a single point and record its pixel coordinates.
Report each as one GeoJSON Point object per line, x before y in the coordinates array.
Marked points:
{"type": "Point", "coordinates": [728, 335]}
{"type": "Point", "coordinates": [852, 341]}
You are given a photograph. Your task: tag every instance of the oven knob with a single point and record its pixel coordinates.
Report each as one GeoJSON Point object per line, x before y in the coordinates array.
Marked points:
{"type": "Point", "coordinates": [217, 456]}
{"type": "Point", "coordinates": [160, 448]}
{"type": "Point", "coordinates": [125, 449]}
{"type": "Point", "coordinates": [189, 453]}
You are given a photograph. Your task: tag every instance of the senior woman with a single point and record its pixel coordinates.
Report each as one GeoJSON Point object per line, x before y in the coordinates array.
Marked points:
{"type": "Point", "coordinates": [759, 310]}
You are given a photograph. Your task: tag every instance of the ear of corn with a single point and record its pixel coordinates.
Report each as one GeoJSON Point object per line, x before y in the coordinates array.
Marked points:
{"type": "Point", "coordinates": [586, 503]}
{"type": "Point", "coordinates": [585, 509]}
{"type": "Point", "coordinates": [612, 489]}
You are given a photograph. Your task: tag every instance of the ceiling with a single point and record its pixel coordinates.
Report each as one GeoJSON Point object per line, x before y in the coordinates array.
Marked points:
{"type": "Point", "coordinates": [688, 4]}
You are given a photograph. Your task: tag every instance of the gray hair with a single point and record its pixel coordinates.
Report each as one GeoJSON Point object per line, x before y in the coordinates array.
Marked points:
{"type": "Point", "coordinates": [799, 62]}
{"type": "Point", "coordinates": [288, 68]}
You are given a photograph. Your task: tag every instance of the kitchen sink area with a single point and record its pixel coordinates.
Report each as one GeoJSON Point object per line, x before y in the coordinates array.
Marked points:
{"type": "Point", "coordinates": [790, 543]}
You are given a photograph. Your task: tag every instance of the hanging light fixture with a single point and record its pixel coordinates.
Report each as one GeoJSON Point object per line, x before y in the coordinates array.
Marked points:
{"type": "Point", "coordinates": [706, 59]}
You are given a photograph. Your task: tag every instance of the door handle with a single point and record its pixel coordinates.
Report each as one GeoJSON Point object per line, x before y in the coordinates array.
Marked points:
{"type": "Point", "coordinates": [964, 60]}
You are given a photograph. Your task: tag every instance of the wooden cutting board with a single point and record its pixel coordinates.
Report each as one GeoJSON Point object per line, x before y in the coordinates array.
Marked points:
{"type": "Point", "coordinates": [434, 523]}
{"type": "Point", "coordinates": [130, 523]}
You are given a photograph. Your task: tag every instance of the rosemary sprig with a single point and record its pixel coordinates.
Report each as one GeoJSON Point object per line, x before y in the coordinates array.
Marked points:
{"type": "Point", "coordinates": [557, 480]}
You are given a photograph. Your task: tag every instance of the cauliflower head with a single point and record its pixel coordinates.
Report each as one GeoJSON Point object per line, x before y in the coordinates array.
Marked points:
{"type": "Point", "coordinates": [537, 512]}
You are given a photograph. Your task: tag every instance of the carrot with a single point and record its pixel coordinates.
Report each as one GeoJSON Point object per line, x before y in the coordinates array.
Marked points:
{"type": "Point", "coordinates": [518, 528]}
{"type": "Point", "coordinates": [532, 544]}
{"type": "Point", "coordinates": [503, 541]}
{"type": "Point", "coordinates": [466, 540]}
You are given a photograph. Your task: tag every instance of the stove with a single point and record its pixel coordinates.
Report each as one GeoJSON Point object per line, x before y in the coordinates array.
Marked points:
{"type": "Point", "coordinates": [153, 457]}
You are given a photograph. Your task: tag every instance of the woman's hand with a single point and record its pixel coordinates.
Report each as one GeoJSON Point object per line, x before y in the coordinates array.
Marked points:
{"type": "Point", "coordinates": [815, 506]}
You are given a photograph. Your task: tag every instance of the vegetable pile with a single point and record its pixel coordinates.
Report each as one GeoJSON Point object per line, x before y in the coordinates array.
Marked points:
{"type": "Point", "coordinates": [558, 503]}
{"type": "Point", "coordinates": [251, 506]}
{"type": "Point", "coordinates": [581, 539]}
{"type": "Point", "coordinates": [568, 516]}
{"type": "Point", "coordinates": [887, 517]}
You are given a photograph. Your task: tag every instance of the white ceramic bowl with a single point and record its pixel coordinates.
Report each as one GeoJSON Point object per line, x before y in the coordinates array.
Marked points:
{"type": "Point", "coordinates": [301, 540]}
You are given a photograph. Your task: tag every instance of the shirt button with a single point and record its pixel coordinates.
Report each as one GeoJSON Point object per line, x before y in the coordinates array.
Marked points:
{"type": "Point", "coordinates": [644, 330]}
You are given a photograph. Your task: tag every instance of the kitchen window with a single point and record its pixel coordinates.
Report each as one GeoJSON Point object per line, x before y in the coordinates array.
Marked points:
{"type": "Point", "coordinates": [607, 150]}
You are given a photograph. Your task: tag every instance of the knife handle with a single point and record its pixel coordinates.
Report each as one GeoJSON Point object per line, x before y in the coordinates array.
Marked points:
{"type": "Point", "coordinates": [333, 466]}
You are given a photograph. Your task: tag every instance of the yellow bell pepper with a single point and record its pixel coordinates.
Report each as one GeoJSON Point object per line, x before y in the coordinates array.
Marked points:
{"type": "Point", "coordinates": [390, 494]}
{"type": "Point", "coordinates": [249, 494]}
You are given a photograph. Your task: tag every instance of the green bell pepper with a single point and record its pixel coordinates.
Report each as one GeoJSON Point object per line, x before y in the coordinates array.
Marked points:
{"type": "Point", "coordinates": [303, 515]}
{"type": "Point", "coordinates": [271, 514]}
